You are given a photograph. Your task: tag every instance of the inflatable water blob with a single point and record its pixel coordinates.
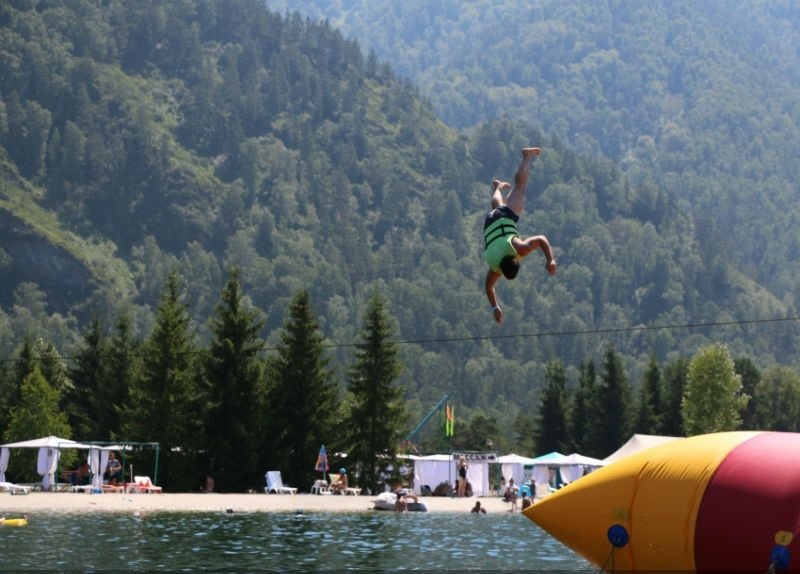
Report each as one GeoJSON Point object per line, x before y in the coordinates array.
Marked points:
{"type": "Point", "coordinates": [13, 521]}
{"type": "Point", "coordinates": [724, 502]}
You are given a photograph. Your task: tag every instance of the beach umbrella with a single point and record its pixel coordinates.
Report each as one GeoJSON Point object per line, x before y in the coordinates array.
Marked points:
{"type": "Point", "coordinates": [322, 462]}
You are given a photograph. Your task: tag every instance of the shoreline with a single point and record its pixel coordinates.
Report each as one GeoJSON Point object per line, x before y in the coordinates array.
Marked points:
{"type": "Point", "coordinates": [68, 502]}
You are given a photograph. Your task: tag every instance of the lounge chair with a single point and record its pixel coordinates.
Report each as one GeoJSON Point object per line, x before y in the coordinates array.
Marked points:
{"type": "Point", "coordinates": [12, 488]}
{"type": "Point", "coordinates": [275, 483]}
{"type": "Point", "coordinates": [320, 487]}
{"type": "Point", "coordinates": [341, 485]}
{"type": "Point", "coordinates": [113, 488]}
{"type": "Point", "coordinates": [83, 487]}
{"type": "Point", "coordinates": [143, 484]}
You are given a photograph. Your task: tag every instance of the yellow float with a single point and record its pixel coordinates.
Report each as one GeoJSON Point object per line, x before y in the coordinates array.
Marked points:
{"type": "Point", "coordinates": [719, 502]}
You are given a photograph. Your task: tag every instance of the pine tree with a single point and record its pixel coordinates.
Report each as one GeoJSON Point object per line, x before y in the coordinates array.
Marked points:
{"type": "Point", "coordinates": [82, 399]}
{"type": "Point", "coordinates": [8, 394]}
{"type": "Point", "coordinates": [581, 414]}
{"type": "Point", "coordinates": [123, 367]}
{"type": "Point", "coordinates": [551, 432]}
{"type": "Point", "coordinates": [302, 399]}
{"type": "Point", "coordinates": [675, 375]}
{"type": "Point", "coordinates": [613, 404]}
{"type": "Point", "coordinates": [648, 419]}
{"type": "Point", "coordinates": [164, 404]}
{"type": "Point", "coordinates": [377, 412]}
{"type": "Point", "coordinates": [232, 372]}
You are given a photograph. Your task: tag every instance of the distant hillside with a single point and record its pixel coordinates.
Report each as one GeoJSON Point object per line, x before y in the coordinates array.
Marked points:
{"type": "Point", "coordinates": [701, 99]}
{"type": "Point", "coordinates": [138, 137]}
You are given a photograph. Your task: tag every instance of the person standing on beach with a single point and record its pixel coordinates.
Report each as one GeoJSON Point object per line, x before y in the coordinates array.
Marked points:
{"type": "Point", "coordinates": [504, 247]}
{"type": "Point", "coordinates": [462, 477]}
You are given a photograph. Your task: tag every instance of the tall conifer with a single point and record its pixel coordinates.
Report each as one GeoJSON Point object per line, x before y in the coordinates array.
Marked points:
{"type": "Point", "coordinates": [551, 432]}
{"type": "Point", "coordinates": [232, 374]}
{"type": "Point", "coordinates": [648, 418]}
{"type": "Point", "coordinates": [164, 404]}
{"type": "Point", "coordinates": [613, 404]}
{"type": "Point", "coordinates": [302, 400]}
{"type": "Point", "coordinates": [377, 412]}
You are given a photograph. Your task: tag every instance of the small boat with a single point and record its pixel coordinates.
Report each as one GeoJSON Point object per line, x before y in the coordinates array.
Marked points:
{"type": "Point", "coordinates": [387, 500]}
{"type": "Point", "coordinates": [13, 521]}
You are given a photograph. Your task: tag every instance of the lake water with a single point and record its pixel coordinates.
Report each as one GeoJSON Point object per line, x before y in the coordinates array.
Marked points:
{"type": "Point", "coordinates": [257, 542]}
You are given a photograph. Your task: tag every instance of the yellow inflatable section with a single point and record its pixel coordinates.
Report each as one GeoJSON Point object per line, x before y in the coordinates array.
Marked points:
{"type": "Point", "coordinates": [13, 521]}
{"type": "Point", "coordinates": [655, 493]}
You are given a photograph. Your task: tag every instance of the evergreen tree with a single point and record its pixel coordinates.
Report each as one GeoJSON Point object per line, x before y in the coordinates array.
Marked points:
{"type": "Point", "coordinates": [377, 412]}
{"type": "Point", "coordinates": [51, 365]}
{"type": "Point", "coordinates": [581, 414]}
{"type": "Point", "coordinates": [23, 366]}
{"type": "Point", "coordinates": [8, 395]}
{"type": "Point", "coordinates": [613, 404]}
{"type": "Point", "coordinates": [232, 376]}
{"type": "Point", "coordinates": [123, 367]}
{"type": "Point", "coordinates": [164, 404]}
{"type": "Point", "coordinates": [302, 399]}
{"type": "Point", "coordinates": [648, 419]}
{"type": "Point", "coordinates": [712, 401]}
{"type": "Point", "coordinates": [551, 431]}
{"type": "Point", "coordinates": [675, 376]}
{"type": "Point", "coordinates": [38, 413]}
{"type": "Point", "coordinates": [83, 402]}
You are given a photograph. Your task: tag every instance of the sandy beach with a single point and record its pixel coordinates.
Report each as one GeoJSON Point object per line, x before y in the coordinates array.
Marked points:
{"type": "Point", "coordinates": [37, 502]}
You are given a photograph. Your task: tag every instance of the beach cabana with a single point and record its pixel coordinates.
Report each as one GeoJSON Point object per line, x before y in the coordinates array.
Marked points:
{"type": "Point", "coordinates": [576, 465]}
{"type": "Point", "coordinates": [434, 469]}
{"type": "Point", "coordinates": [49, 453]}
{"type": "Point", "coordinates": [514, 466]}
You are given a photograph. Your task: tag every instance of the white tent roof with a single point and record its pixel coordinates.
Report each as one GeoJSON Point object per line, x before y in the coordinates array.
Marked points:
{"type": "Point", "coordinates": [45, 442]}
{"type": "Point", "coordinates": [637, 443]}
{"type": "Point", "coordinates": [514, 459]}
{"type": "Point", "coordinates": [551, 459]}
{"type": "Point", "coordinates": [434, 457]}
{"type": "Point", "coordinates": [582, 460]}
{"type": "Point", "coordinates": [56, 442]}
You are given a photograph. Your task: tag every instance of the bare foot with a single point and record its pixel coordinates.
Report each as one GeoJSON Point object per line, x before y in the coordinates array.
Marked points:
{"type": "Point", "coordinates": [501, 184]}
{"type": "Point", "coordinates": [531, 151]}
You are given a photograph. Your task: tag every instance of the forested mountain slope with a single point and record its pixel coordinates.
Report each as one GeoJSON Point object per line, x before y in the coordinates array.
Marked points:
{"type": "Point", "coordinates": [200, 135]}
{"type": "Point", "coordinates": [701, 99]}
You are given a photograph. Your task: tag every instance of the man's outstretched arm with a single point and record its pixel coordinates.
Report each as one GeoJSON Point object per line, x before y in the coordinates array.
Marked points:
{"type": "Point", "coordinates": [526, 246]}
{"type": "Point", "coordinates": [491, 279]}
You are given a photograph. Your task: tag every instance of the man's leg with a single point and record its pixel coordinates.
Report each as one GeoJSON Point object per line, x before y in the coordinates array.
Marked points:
{"type": "Point", "coordinates": [497, 192]}
{"type": "Point", "coordinates": [516, 199]}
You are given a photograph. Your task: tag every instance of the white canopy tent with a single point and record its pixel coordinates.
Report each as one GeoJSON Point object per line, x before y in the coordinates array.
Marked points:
{"type": "Point", "coordinates": [513, 466]}
{"type": "Point", "coordinates": [576, 465]}
{"type": "Point", "coordinates": [49, 454]}
{"type": "Point", "coordinates": [434, 469]}
{"type": "Point", "coordinates": [570, 466]}
{"type": "Point", "coordinates": [637, 443]}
